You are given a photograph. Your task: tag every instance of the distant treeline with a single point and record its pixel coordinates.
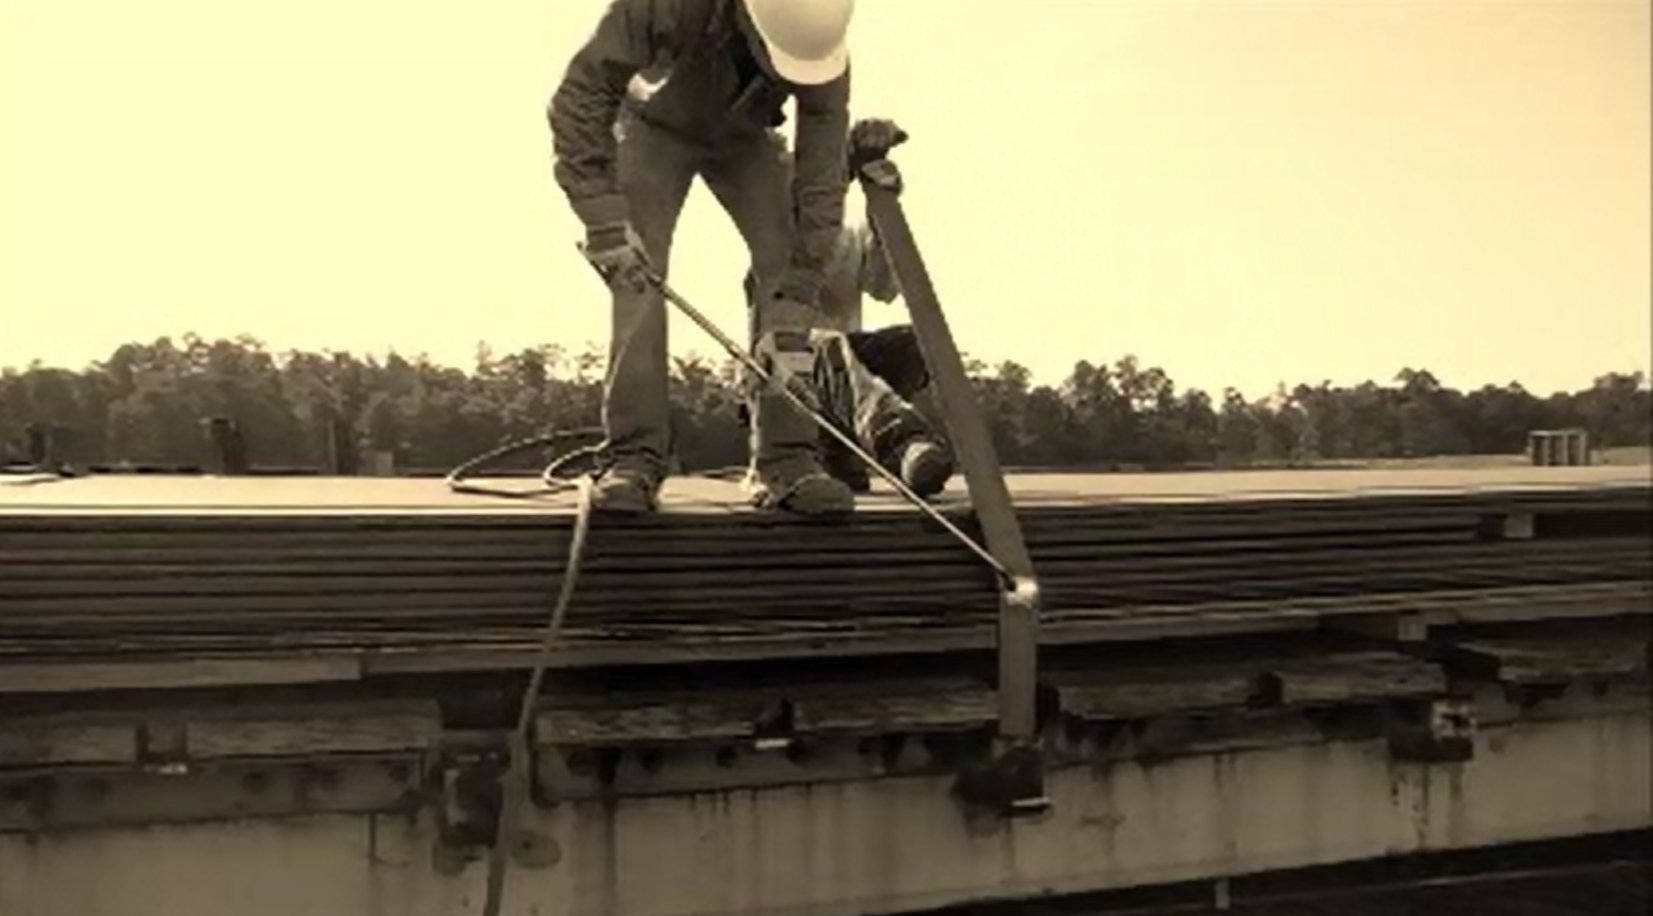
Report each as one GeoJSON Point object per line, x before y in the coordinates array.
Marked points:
{"type": "Point", "coordinates": [145, 404]}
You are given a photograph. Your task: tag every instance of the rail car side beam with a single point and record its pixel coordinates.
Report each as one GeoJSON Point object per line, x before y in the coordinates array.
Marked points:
{"type": "Point", "coordinates": [874, 845]}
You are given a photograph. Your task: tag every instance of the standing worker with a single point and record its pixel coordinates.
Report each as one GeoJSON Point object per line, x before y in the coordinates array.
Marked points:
{"type": "Point", "coordinates": [663, 91]}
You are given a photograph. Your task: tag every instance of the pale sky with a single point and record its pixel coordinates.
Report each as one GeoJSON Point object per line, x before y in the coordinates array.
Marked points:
{"type": "Point", "coordinates": [1239, 191]}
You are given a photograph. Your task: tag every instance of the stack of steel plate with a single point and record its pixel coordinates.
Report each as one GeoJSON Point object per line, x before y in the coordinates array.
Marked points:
{"type": "Point", "coordinates": [123, 562]}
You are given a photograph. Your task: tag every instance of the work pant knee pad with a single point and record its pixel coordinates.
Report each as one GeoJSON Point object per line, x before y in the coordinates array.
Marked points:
{"type": "Point", "coordinates": [785, 353]}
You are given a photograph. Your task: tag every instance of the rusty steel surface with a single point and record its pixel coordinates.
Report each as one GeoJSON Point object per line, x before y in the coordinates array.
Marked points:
{"type": "Point", "coordinates": [347, 576]}
{"type": "Point", "coordinates": [873, 846]}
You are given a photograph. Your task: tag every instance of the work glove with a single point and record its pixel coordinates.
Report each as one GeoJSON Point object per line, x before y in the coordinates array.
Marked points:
{"type": "Point", "coordinates": [884, 174]}
{"type": "Point", "coordinates": [870, 140]}
{"type": "Point", "coordinates": [617, 253]}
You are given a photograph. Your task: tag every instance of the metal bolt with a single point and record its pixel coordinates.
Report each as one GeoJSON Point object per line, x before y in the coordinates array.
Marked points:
{"type": "Point", "coordinates": [535, 850]}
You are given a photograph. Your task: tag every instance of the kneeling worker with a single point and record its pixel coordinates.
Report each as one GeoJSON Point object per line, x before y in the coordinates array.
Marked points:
{"type": "Point", "coordinates": [866, 380]}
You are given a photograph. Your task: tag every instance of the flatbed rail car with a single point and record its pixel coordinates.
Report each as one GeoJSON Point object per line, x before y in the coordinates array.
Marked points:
{"type": "Point", "coordinates": [279, 696]}
{"type": "Point", "coordinates": [111, 577]}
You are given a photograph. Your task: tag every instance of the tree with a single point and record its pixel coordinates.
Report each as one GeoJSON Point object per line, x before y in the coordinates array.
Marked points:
{"type": "Point", "coordinates": [147, 401]}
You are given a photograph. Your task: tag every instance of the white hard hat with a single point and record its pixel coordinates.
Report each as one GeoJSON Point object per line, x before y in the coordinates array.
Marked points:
{"type": "Point", "coordinates": [807, 40]}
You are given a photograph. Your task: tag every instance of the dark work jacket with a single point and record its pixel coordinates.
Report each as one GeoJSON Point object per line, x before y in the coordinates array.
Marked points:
{"type": "Point", "coordinates": [696, 43]}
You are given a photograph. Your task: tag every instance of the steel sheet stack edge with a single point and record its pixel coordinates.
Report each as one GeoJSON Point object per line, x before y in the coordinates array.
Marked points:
{"type": "Point", "coordinates": [91, 572]}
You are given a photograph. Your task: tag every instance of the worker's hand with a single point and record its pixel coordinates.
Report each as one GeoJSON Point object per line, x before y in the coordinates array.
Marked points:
{"type": "Point", "coordinates": [883, 174]}
{"type": "Point", "coordinates": [617, 253]}
{"type": "Point", "coordinates": [870, 140]}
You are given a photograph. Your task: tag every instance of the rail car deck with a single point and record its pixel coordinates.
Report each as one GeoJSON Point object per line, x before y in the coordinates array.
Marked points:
{"type": "Point", "coordinates": [125, 494]}
{"type": "Point", "coordinates": [106, 581]}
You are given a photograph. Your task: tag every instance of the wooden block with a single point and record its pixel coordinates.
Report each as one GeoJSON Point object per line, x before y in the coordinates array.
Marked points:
{"type": "Point", "coordinates": [320, 729]}
{"type": "Point", "coordinates": [1355, 677]}
{"type": "Point", "coordinates": [1143, 693]}
{"type": "Point", "coordinates": [732, 718]}
{"type": "Point", "coordinates": [1534, 661]}
{"type": "Point", "coordinates": [171, 673]}
{"type": "Point", "coordinates": [912, 707]}
{"type": "Point", "coordinates": [734, 715]}
{"type": "Point", "coordinates": [67, 739]}
{"type": "Point", "coordinates": [179, 734]}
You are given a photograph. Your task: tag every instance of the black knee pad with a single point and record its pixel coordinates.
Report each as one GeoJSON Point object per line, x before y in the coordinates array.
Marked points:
{"type": "Point", "coordinates": [893, 354]}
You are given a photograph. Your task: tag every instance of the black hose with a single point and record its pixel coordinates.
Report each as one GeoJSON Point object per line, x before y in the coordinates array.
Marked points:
{"type": "Point", "coordinates": [552, 479]}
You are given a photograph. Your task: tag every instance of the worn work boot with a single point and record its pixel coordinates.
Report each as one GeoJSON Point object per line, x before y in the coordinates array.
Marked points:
{"type": "Point", "coordinates": [799, 485]}
{"type": "Point", "coordinates": [925, 466]}
{"type": "Point", "coordinates": [626, 490]}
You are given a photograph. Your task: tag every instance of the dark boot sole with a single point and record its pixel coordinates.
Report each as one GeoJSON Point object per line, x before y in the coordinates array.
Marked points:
{"type": "Point", "coordinates": [813, 499]}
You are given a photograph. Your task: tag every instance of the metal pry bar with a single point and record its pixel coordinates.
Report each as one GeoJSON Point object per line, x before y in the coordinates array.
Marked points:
{"type": "Point", "coordinates": [1018, 623]}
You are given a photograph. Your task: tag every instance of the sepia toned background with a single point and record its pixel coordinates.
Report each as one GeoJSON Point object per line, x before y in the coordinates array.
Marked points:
{"type": "Point", "coordinates": [1244, 192]}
